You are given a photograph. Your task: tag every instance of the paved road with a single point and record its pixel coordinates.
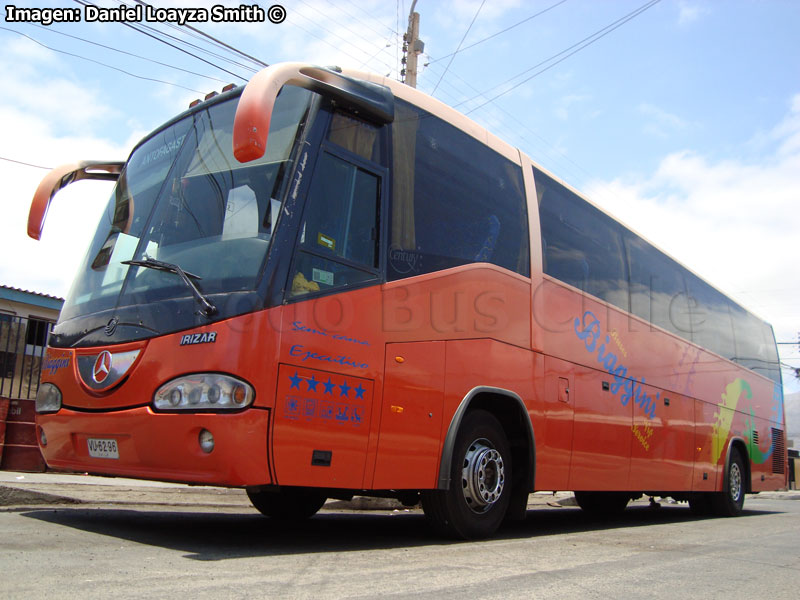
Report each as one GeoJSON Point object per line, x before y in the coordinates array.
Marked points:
{"type": "Point", "coordinates": [130, 541]}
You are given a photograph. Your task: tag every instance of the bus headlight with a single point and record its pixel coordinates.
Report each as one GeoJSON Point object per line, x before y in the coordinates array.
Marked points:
{"type": "Point", "coordinates": [202, 392]}
{"type": "Point", "coordinates": [48, 399]}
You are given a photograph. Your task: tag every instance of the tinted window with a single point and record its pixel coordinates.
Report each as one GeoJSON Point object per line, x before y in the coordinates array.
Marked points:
{"type": "Point", "coordinates": [339, 234]}
{"type": "Point", "coordinates": [771, 353]}
{"type": "Point", "coordinates": [753, 349]}
{"type": "Point", "coordinates": [357, 136]}
{"type": "Point", "coordinates": [710, 317]}
{"type": "Point", "coordinates": [658, 289]}
{"type": "Point", "coordinates": [581, 245]}
{"type": "Point", "coordinates": [454, 201]}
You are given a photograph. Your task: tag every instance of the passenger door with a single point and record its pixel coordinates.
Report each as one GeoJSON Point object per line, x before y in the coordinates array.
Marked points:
{"type": "Point", "coordinates": [331, 351]}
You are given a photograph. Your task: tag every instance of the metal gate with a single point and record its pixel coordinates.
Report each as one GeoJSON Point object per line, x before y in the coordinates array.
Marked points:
{"type": "Point", "coordinates": [22, 346]}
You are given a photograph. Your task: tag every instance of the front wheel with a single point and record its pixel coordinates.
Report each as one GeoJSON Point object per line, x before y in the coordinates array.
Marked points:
{"type": "Point", "coordinates": [730, 501]}
{"type": "Point", "coordinates": [287, 504]}
{"type": "Point", "coordinates": [480, 481]}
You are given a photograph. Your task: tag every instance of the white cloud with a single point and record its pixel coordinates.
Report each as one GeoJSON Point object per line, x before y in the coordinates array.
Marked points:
{"type": "Point", "coordinates": [565, 104]}
{"type": "Point", "coordinates": [47, 121]}
{"type": "Point", "coordinates": [49, 265]}
{"type": "Point", "coordinates": [733, 222]}
{"type": "Point", "coordinates": [689, 12]}
{"type": "Point", "coordinates": [660, 123]}
{"type": "Point", "coordinates": [72, 106]}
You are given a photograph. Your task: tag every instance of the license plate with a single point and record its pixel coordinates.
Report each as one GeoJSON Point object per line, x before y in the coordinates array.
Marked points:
{"type": "Point", "coordinates": [103, 448]}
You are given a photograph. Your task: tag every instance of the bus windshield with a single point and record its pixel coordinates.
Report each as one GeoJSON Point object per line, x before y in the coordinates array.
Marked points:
{"type": "Point", "coordinates": [184, 199]}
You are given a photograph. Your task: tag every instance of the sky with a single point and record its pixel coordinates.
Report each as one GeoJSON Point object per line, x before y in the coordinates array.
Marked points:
{"type": "Point", "coordinates": [679, 117]}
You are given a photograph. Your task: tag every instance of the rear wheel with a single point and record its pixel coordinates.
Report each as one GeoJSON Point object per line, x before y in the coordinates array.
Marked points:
{"type": "Point", "coordinates": [480, 476]}
{"type": "Point", "coordinates": [602, 503]}
{"type": "Point", "coordinates": [730, 501]}
{"type": "Point", "coordinates": [288, 504]}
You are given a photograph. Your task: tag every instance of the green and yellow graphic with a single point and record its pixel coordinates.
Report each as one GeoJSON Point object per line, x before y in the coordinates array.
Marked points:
{"type": "Point", "coordinates": [727, 408]}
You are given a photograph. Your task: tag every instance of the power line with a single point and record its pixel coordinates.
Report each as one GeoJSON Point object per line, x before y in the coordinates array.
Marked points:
{"type": "Point", "coordinates": [336, 35]}
{"type": "Point", "coordinates": [169, 66]}
{"type": "Point", "coordinates": [575, 48]}
{"type": "Point", "coordinates": [258, 61]}
{"type": "Point", "coordinates": [156, 32]}
{"type": "Point", "coordinates": [216, 41]}
{"type": "Point", "coordinates": [383, 49]}
{"type": "Point", "coordinates": [97, 62]}
{"type": "Point", "coordinates": [194, 35]}
{"type": "Point", "coordinates": [19, 162]}
{"type": "Point", "coordinates": [323, 40]}
{"type": "Point", "coordinates": [366, 13]}
{"type": "Point", "coordinates": [452, 56]}
{"type": "Point", "coordinates": [494, 35]}
{"type": "Point", "coordinates": [547, 148]}
{"type": "Point", "coordinates": [140, 30]}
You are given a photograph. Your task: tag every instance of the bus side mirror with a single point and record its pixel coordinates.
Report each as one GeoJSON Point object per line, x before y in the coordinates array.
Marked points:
{"type": "Point", "coordinates": [251, 123]}
{"type": "Point", "coordinates": [61, 177]}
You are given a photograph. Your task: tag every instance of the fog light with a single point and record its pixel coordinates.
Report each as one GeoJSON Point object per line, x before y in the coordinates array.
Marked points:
{"type": "Point", "coordinates": [42, 437]}
{"type": "Point", "coordinates": [206, 440]}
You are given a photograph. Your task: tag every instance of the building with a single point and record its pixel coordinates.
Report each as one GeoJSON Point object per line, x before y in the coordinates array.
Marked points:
{"type": "Point", "coordinates": [25, 322]}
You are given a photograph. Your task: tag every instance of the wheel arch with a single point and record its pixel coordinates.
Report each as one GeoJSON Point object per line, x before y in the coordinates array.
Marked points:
{"type": "Point", "coordinates": [512, 413]}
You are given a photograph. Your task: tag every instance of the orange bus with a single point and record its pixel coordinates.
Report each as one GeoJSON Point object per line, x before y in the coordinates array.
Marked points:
{"type": "Point", "coordinates": [327, 284]}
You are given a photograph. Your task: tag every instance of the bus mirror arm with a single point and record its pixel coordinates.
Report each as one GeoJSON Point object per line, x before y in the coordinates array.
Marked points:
{"type": "Point", "coordinates": [61, 177]}
{"type": "Point", "coordinates": [251, 123]}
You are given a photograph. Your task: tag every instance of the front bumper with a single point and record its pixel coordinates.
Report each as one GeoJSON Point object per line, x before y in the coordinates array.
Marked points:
{"type": "Point", "coordinates": [161, 446]}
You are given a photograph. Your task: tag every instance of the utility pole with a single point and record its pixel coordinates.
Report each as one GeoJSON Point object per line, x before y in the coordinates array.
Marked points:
{"type": "Point", "coordinates": [413, 46]}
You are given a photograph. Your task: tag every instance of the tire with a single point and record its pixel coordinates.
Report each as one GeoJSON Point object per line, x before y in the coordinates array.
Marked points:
{"type": "Point", "coordinates": [287, 504]}
{"type": "Point", "coordinates": [480, 475]}
{"type": "Point", "coordinates": [730, 501]}
{"type": "Point", "coordinates": [602, 503]}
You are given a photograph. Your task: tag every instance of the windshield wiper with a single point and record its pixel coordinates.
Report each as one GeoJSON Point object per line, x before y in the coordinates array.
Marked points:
{"type": "Point", "coordinates": [151, 263]}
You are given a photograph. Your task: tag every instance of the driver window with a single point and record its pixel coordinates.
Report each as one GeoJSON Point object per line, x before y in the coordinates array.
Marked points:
{"type": "Point", "coordinates": [339, 234]}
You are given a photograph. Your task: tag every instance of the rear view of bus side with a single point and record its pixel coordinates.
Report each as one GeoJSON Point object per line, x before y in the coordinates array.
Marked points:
{"type": "Point", "coordinates": [347, 288]}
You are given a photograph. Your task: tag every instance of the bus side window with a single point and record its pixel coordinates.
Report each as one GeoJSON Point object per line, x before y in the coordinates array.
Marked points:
{"type": "Point", "coordinates": [658, 287]}
{"type": "Point", "coordinates": [754, 344]}
{"type": "Point", "coordinates": [455, 201]}
{"type": "Point", "coordinates": [355, 135]}
{"type": "Point", "coordinates": [581, 245]}
{"type": "Point", "coordinates": [711, 322]}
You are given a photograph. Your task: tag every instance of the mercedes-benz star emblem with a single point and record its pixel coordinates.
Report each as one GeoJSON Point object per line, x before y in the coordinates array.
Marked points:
{"type": "Point", "coordinates": [102, 367]}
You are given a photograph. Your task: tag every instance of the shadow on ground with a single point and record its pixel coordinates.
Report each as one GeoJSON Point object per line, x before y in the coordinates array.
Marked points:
{"type": "Point", "coordinates": [211, 536]}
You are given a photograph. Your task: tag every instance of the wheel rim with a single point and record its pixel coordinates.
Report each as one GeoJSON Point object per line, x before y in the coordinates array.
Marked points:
{"type": "Point", "coordinates": [482, 476]}
{"type": "Point", "coordinates": [735, 482]}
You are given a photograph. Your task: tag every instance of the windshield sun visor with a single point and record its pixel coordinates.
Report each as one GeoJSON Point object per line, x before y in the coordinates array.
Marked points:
{"type": "Point", "coordinates": [251, 125]}
{"type": "Point", "coordinates": [61, 177]}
